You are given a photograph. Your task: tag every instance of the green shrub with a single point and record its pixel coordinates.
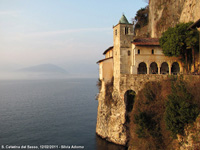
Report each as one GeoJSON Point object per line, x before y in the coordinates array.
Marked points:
{"type": "Point", "coordinates": [179, 109]}
{"type": "Point", "coordinates": [142, 120]}
{"type": "Point", "coordinates": [149, 94]}
{"type": "Point", "coordinates": [141, 18]}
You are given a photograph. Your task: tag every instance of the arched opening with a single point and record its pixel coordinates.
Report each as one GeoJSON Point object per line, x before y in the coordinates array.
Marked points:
{"type": "Point", "coordinates": [175, 68]}
{"type": "Point", "coordinates": [126, 30]}
{"type": "Point", "coordinates": [153, 68]}
{"type": "Point", "coordinates": [142, 68]}
{"type": "Point", "coordinates": [129, 98]}
{"type": "Point", "coordinates": [164, 68]}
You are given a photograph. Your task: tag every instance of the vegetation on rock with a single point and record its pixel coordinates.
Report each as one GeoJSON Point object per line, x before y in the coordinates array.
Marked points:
{"type": "Point", "coordinates": [161, 111]}
{"type": "Point", "coordinates": [108, 94]}
{"type": "Point", "coordinates": [179, 41]}
{"type": "Point", "coordinates": [141, 18]}
{"type": "Point", "coordinates": [180, 109]}
{"type": "Point", "coordinates": [146, 118]}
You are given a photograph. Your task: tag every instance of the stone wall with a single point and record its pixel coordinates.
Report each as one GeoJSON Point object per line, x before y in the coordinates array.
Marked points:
{"type": "Point", "coordinates": [107, 70]}
{"type": "Point", "coordinates": [137, 82]}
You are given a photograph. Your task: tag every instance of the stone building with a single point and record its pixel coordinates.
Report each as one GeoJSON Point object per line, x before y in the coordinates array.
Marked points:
{"type": "Point", "coordinates": [128, 65]}
{"type": "Point", "coordinates": [130, 55]}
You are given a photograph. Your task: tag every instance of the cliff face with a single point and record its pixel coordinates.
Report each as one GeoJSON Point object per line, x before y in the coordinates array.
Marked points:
{"type": "Point", "coordinates": [110, 116]}
{"type": "Point", "coordinates": [167, 13]}
{"type": "Point", "coordinates": [190, 11]}
{"type": "Point", "coordinates": [192, 138]}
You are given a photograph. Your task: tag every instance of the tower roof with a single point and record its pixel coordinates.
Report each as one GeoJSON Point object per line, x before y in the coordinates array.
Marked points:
{"type": "Point", "coordinates": [123, 20]}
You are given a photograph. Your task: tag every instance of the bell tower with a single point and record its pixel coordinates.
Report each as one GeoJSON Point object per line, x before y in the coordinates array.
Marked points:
{"type": "Point", "coordinates": [122, 38]}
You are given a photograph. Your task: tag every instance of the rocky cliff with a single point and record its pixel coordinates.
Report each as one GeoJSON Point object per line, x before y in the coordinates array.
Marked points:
{"type": "Point", "coordinates": [191, 140]}
{"type": "Point", "coordinates": [167, 13]}
{"type": "Point", "coordinates": [112, 122]}
{"type": "Point", "coordinates": [110, 115]}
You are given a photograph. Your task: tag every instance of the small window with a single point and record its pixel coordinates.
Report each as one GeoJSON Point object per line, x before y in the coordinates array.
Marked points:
{"type": "Point", "coordinates": [129, 53]}
{"type": "Point", "coordinates": [116, 32]}
{"type": "Point", "coordinates": [152, 51]}
{"type": "Point", "coordinates": [126, 30]}
{"type": "Point", "coordinates": [138, 51]}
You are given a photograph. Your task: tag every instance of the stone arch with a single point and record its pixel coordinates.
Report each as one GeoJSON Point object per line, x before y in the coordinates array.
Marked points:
{"type": "Point", "coordinates": [175, 68]}
{"type": "Point", "coordinates": [153, 68]}
{"type": "Point", "coordinates": [164, 69]}
{"type": "Point", "coordinates": [129, 97]}
{"type": "Point", "coordinates": [142, 68]}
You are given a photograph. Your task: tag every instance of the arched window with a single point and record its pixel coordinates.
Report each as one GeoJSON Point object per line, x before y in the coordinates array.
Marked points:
{"type": "Point", "coordinates": [175, 68]}
{"type": "Point", "coordinates": [142, 68]}
{"type": "Point", "coordinates": [126, 30]}
{"type": "Point", "coordinates": [164, 68]}
{"type": "Point", "coordinates": [153, 68]}
{"type": "Point", "coordinates": [129, 99]}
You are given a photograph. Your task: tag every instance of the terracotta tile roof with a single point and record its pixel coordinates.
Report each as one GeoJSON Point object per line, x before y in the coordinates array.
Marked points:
{"type": "Point", "coordinates": [104, 59]}
{"type": "Point", "coordinates": [146, 41]}
{"type": "Point", "coordinates": [107, 50]}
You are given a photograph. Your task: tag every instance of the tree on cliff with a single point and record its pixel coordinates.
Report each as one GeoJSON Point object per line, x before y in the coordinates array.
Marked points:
{"type": "Point", "coordinates": [141, 18]}
{"type": "Point", "coordinates": [180, 109]}
{"type": "Point", "coordinates": [179, 41]}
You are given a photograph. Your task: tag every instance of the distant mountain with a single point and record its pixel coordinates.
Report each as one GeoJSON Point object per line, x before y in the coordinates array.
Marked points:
{"type": "Point", "coordinates": [44, 68]}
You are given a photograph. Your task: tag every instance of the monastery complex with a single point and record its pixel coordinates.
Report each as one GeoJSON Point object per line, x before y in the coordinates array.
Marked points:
{"type": "Point", "coordinates": [130, 55]}
{"type": "Point", "coordinates": [127, 66]}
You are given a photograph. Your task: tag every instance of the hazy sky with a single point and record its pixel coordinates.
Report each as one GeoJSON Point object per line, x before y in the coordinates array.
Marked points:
{"type": "Point", "coordinates": [69, 33]}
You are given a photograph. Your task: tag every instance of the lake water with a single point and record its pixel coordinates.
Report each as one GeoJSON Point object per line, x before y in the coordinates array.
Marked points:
{"type": "Point", "coordinates": [50, 112]}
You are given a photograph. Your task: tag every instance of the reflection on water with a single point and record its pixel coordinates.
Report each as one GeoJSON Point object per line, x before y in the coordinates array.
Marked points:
{"type": "Point", "coordinates": [102, 144]}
